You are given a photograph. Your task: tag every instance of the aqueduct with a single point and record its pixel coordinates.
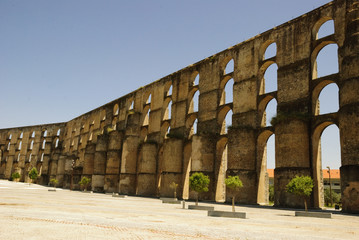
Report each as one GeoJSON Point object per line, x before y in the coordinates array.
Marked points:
{"type": "Point", "coordinates": [161, 133]}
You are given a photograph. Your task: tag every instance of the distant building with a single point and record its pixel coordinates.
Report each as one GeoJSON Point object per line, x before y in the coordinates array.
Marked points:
{"type": "Point", "coordinates": [334, 179]}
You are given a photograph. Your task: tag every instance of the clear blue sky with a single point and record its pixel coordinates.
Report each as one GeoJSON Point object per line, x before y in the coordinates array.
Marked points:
{"type": "Point", "coordinates": [60, 59]}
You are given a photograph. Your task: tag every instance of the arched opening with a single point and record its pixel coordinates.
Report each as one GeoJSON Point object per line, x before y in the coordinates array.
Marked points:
{"type": "Point", "coordinates": [326, 155]}
{"type": "Point", "coordinates": [20, 144]}
{"type": "Point", "coordinates": [326, 29]}
{"type": "Point", "coordinates": [196, 80]}
{"type": "Point", "coordinates": [168, 112]}
{"type": "Point", "coordinates": [326, 61]}
{"type": "Point", "coordinates": [57, 143]}
{"type": "Point", "coordinates": [269, 113]}
{"type": "Point", "coordinates": [43, 144]}
{"type": "Point", "coordinates": [10, 136]}
{"type": "Point", "coordinates": [42, 157]}
{"type": "Point", "coordinates": [193, 103]}
{"type": "Point", "coordinates": [146, 117]}
{"type": "Point", "coordinates": [131, 106]}
{"type": "Point", "coordinates": [270, 78]}
{"type": "Point", "coordinates": [169, 91]}
{"type": "Point", "coordinates": [328, 100]}
{"type": "Point", "coordinates": [271, 51]}
{"type": "Point", "coordinates": [227, 122]}
{"type": "Point", "coordinates": [58, 132]}
{"type": "Point", "coordinates": [265, 167]}
{"type": "Point", "coordinates": [44, 133]}
{"type": "Point", "coordinates": [227, 92]}
{"type": "Point", "coordinates": [30, 157]}
{"type": "Point", "coordinates": [8, 146]}
{"type": "Point", "coordinates": [21, 135]}
{"type": "Point", "coordinates": [148, 101]}
{"type": "Point", "coordinates": [116, 110]}
{"type": "Point", "coordinates": [32, 145]}
{"type": "Point", "coordinates": [33, 134]}
{"type": "Point", "coordinates": [18, 158]}
{"type": "Point", "coordinates": [229, 67]}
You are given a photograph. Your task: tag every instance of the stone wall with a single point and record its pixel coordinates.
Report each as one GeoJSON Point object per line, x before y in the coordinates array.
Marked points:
{"type": "Point", "coordinates": [140, 143]}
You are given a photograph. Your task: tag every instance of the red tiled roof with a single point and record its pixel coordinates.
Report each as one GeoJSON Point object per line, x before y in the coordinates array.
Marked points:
{"type": "Point", "coordinates": [334, 173]}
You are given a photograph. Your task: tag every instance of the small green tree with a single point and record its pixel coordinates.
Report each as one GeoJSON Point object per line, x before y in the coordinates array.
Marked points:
{"type": "Point", "coordinates": [271, 193]}
{"type": "Point", "coordinates": [335, 197]}
{"type": "Point", "coordinates": [33, 174]}
{"type": "Point", "coordinates": [199, 182]}
{"type": "Point", "coordinates": [174, 186]}
{"type": "Point", "coordinates": [84, 182]}
{"type": "Point", "coordinates": [15, 176]}
{"type": "Point", "coordinates": [234, 183]}
{"type": "Point", "coordinates": [53, 182]}
{"type": "Point", "coordinates": [301, 186]}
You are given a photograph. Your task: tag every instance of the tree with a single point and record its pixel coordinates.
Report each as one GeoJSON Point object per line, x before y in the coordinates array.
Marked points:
{"type": "Point", "coordinates": [199, 182]}
{"type": "Point", "coordinates": [335, 197]}
{"type": "Point", "coordinates": [301, 186]}
{"type": "Point", "coordinates": [85, 182]}
{"type": "Point", "coordinates": [33, 174]}
{"type": "Point", "coordinates": [53, 182]}
{"type": "Point", "coordinates": [234, 183]}
{"type": "Point", "coordinates": [15, 176]}
{"type": "Point", "coordinates": [174, 186]}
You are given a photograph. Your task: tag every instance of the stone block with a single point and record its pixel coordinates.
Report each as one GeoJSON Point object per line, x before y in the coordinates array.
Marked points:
{"type": "Point", "coordinates": [113, 162]}
{"type": "Point", "coordinates": [100, 162]}
{"type": "Point", "coordinates": [111, 183]}
{"type": "Point", "coordinates": [148, 158]}
{"type": "Point", "coordinates": [97, 183]}
{"type": "Point", "coordinates": [129, 155]}
{"type": "Point", "coordinates": [202, 154]}
{"type": "Point", "coordinates": [146, 185]}
{"type": "Point", "coordinates": [313, 214]}
{"type": "Point", "coordinates": [127, 184]}
{"type": "Point", "coordinates": [172, 155]}
{"type": "Point", "coordinates": [199, 207]}
{"type": "Point", "coordinates": [226, 214]}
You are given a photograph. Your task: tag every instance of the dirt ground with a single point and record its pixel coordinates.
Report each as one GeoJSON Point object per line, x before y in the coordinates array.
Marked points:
{"type": "Point", "coordinates": [32, 212]}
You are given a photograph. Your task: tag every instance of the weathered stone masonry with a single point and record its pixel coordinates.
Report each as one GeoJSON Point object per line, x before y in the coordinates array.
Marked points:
{"type": "Point", "coordinates": [141, 142]}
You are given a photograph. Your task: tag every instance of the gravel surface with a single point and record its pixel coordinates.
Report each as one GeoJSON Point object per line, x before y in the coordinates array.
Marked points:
{"type": "Point", "coordinates": [32, 212]}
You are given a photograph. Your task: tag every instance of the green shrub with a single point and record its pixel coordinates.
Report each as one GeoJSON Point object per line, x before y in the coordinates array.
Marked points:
{"type": "Point", "coordinates": [85, 182]}
{"type": "Point", "coordinates": [234, 183]}
{"type": "Point", "coordinates": [33, 174]}
{"type": "Point", "coordinates": [15, 175]}
{"type": "Point", "coordinates": [199, 182]}
{"type": "Point", "coordinates": [301, 186]}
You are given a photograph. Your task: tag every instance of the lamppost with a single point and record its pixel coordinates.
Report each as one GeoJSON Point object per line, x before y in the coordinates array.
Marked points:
{"type": "Point", "coordinates": [330, 188]}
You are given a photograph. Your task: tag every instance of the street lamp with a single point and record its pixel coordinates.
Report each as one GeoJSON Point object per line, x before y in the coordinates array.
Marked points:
{"type": "Point", "coordinates": [330, 188]}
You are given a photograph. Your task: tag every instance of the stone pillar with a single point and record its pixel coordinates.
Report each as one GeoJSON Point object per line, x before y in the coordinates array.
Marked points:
{"type": "Point", "coordinates": [203, 158]}
{"type": "Point", "coordinates": [171, 167]}
{"type": "Point", "coordinates": [241, 162]}
{"type": "Point", "coordinates": [61, 170]}
{"type": "Point", "coordinates": [113, 162]}
{"type": "Point", "coordinates": [99, 169]}
{"type": "Point", "coordinates": [349, 110]}
{"type": "Point", "coordinates": [146, 179]}
{"type": "Point", "coordinates": [128, 170]}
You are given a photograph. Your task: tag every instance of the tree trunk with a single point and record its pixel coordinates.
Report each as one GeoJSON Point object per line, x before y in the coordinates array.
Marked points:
{"type": "Point", "coordinates": [196, 199]}
{"type": "Point", "coordinates": [233, 209]}
{"type": "Point", "coordinates": [305, 205]}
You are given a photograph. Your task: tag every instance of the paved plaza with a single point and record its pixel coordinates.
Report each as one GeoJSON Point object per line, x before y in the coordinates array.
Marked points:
{"type": "Point", "coordinates": [33, 212]}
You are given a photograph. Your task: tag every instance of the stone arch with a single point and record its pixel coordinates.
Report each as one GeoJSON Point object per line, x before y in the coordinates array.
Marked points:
{"type": "Point", "coordinates": [225, 86]}
{"type": "Point", "coordinates": [317, 167]}
{"type": "Point", "coordinates": [19, 146]}
{"type": "Point", "coordinates": [195, 78]}
{"type": "Point", "coordinates": [317, 92]}
{"type": "Point", "coordinates": [165, 129]}
{"type": "Point", "coordinates": [148, 97]}
{"type": "Point", "coordinates": [193, 100]}
{"type": "Point", "coordinates": [264, 47]}
{"type": "Point", "coordinates": [316, 53]}
{"type": "Point", "coordinates": [167, 111]}
{"type": "Point", "coordinates": [21, 135]}
{"type": "Point", "coordinates": [57, 143]}
{"type": "Point", "coordinates": [58, 132]}
{"type": "Point", "coordinates": [31, 144]}
{"type": "Point", "coordinates": [263, 184]}
{"type": "Point", "coordinates": [116, 110]}
{"type": "Point", "coordinates": [318, 25]}
{"type": "Point", "coordinates": [262, 72]}
{"type": "Point", "coordinates": [44, 133]}
{"type": "Point", "coordinates": [227, 65]}
{"type": "Point", "coordinates": [222, 116]}
{"type": "Point", "coordinates": [191, 124]}
{"type": "Point", "coordinates": [33, 134]}
{"type": "Point", "coordinates": [168, 89]}
{"type": "Point", "coordinates": [145, 115]}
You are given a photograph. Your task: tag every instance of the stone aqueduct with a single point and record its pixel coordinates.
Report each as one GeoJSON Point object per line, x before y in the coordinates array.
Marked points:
{"type": "Point", "coordinates": [141, 142]}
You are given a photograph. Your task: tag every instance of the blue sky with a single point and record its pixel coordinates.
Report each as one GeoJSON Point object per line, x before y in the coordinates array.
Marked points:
{"type": "Point", "coordinates": [60, 59]}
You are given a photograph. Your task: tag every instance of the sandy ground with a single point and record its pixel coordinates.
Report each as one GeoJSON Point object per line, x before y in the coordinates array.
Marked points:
{"type": "Point", "coordinates": [33, 212]}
